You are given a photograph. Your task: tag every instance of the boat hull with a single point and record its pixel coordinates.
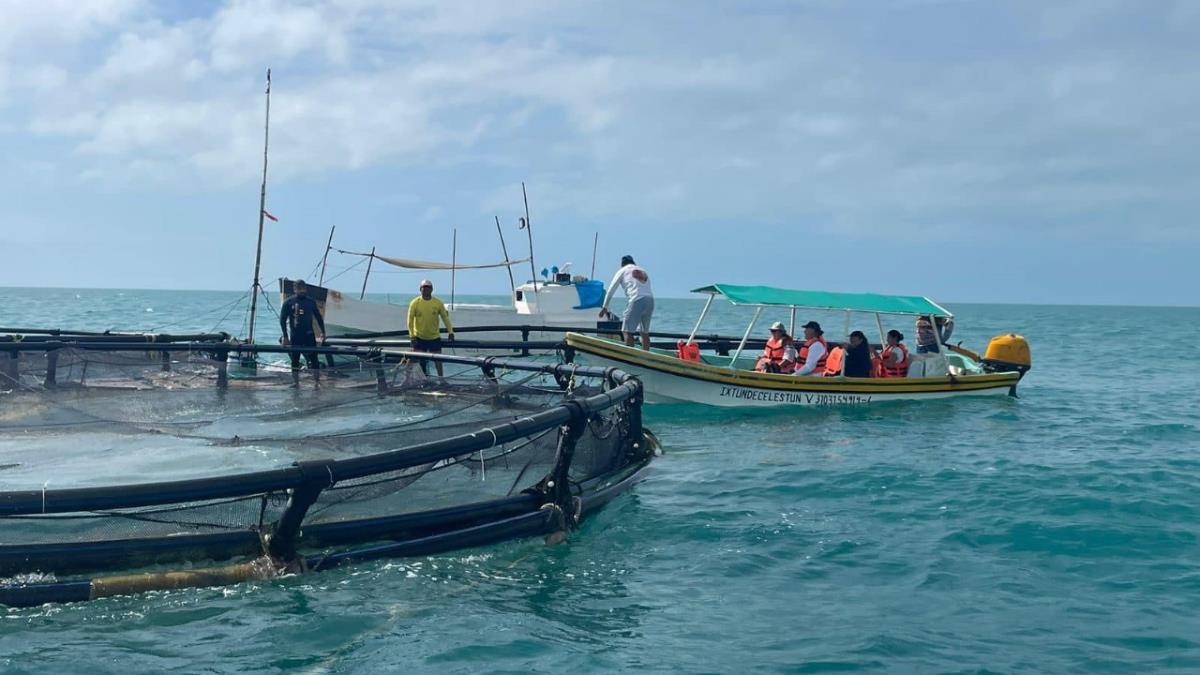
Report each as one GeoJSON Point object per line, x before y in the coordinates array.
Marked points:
{"type": "Point", "coordinates": [670, 380]}
{"type": "Point", "coordinates": [348, 316]}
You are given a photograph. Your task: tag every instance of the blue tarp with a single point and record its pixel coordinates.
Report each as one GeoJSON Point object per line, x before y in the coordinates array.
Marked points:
{"type": "Point", "coordinates": [591, 294]}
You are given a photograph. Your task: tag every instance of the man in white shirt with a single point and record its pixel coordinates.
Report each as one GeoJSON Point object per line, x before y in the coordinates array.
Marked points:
{"type": "Point", "coordinates": [640, 307]}
{"type": "Point", "coordinates": [813, 352]}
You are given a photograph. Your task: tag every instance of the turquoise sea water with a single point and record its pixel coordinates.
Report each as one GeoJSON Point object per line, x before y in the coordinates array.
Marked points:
{"type": "Point", "coordinates": [1055, 533]}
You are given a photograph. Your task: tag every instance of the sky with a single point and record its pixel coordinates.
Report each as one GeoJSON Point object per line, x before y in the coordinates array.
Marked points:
{"type": "Point", "coordinates": [968, 151]}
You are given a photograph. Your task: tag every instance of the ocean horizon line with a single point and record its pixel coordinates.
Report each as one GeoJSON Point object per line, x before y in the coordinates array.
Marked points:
{"type": "Point", "coordinates": [664, 297]}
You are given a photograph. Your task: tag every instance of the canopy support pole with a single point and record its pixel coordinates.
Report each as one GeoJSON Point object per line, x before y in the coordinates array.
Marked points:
{"type": "Point", "coordinates": [370, 259]}
{"type": "Point", "coordinates": [745, 337]}
{"type": "Point", "coordinates": [453, 262]}
{"type": "Point", "coordinates": [845, 347]}
{"type": "Point", "coordinates": [882, 335]}
{"type": "Point", "coordinates": [703, 313]}
{"type": "Point", "coordinates": [792, 327]}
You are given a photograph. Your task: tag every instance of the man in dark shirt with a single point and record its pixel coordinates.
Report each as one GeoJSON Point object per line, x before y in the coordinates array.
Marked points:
{"type": "Point", "coordinates": [297, 317]}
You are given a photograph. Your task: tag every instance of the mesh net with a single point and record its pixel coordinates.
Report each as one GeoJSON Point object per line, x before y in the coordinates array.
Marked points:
{"type": "Point", "coordinates": [80, 417]}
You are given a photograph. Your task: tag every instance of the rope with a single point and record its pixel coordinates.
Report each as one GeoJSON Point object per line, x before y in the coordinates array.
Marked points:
{"type": "Point", "coordinates": [347, 269]}
{"type": "Point", "coordinates": [226, 315]}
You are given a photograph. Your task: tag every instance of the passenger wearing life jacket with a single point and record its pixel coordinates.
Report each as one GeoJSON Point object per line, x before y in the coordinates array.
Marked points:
{"type": "Point", "coordinates": [833, 362]}
{"type": "Point", "coordinates": [813, 352]}
{"type": "Point", "coordinates": [779, 356]}
{"type": "Point", "coordinates": [894, 359]}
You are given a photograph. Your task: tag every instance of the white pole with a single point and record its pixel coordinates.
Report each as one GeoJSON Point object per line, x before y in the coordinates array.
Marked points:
{"type": "Point", "coordinates": [703, 313]}
{"type": "Point", "coordinates": [746, 336]}
{"type": "Point", "coordinates": [845, 347]}
{"type": "Point", "coordinates": [882, 335]}
{"type": "Point", "coordinates": [792, 328]}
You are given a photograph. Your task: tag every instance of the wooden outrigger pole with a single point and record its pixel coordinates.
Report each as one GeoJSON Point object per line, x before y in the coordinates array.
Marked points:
{"type": "Point", "coordinates": [529, 230]}
{"type": "Point", "coordinates": [370, 259]}
{"type": "Point", "coordinates": [262, 212]}
{"type": "Point", "coordinates": [507, 265]}
{"type": "Point", "coordinates": [595, 243]}
{"type": "Point", "coordinates": [325, 258]}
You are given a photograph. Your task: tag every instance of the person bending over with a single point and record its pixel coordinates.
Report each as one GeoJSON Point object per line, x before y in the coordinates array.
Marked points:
{"type": "Point", "coordinates": [638, 310]}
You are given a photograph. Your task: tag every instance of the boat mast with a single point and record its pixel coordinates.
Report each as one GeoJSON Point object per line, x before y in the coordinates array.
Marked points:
{"type": "Point", "coordinates": [262, 210]}
{"type": "Point", "coordinates": [529, 231]}
{"type": "Point", "coordinates": [325, 258]}
{"type": "Point", "coordinates": [595, 243]}
{"type": "Point", "coordinates": [507, 265]}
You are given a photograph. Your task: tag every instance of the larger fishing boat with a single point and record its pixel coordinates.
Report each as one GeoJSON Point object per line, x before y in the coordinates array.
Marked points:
{"type": "Point", "coordinates": [539, 310]}
{"type": "Point", "coordinates": [687, 376]}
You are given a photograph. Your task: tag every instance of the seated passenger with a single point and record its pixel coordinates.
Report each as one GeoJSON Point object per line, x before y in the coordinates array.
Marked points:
{"type": "Point", "coordinates": [856, 360]}
{"type": "Point", "coordinates": [814, 351]}
{"type": "Point", "coordinates": [833, 362]}
{"type": "Point", "coordinates": [927, 338]}
{"type": "Point", "coordinates": [779, 356]}
{"type": "Point", "coordinates": [894, 359]}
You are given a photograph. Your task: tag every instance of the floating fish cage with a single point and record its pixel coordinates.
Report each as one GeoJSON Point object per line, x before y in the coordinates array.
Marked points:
{"type": "Point", "coordinates": [131, 463]}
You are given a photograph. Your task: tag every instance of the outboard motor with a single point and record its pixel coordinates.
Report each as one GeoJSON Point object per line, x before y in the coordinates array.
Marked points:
{"type": "Point", "coordinates": [1007, 354]}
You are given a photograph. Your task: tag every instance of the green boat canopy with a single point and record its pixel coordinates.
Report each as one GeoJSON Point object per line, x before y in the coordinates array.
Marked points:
{"type": "Point", "coordinates": [856, 302]}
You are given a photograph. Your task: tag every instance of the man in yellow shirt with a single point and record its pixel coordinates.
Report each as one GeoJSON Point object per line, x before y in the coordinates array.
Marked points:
{"type": "Point", "coordinates": [423, 331]}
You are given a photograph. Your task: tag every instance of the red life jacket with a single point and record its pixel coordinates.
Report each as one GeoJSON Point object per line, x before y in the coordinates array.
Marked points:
{"type": "Point", "coordinates": [898, 370]}
{"type": "Point", "coordinates": [773, 354]}
{"type": "Point", "coordinates": [820, 369]}
{"type": "Point", "coordinates": [833, 365]}
{"type": "Point", "coordinates": [687, 351]}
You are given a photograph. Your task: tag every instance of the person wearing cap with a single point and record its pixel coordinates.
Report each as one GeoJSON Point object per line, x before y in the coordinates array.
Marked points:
{"type": "Point", "coordinates": [302, 325]}
{"type": "Point", "coordinates": [813, 352]}
{"type": "Point", "coordinates": [640, 305]}
{"type": "Point", "coordinates": [424, 333]}
{"type": "Point", "coordinates": [779, 354]}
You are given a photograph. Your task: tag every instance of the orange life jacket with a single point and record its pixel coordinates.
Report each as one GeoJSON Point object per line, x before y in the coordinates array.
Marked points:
{"type": "Point", "coordinates": [820, 369]}
{"type": "Point", "coordinates": [833, 362]}
{"type": "Point", "coordinates": [687, 351]}
{"type": "Point", "coordinates": [898, 370]}
{"type": "Point", "coordinates": [773, 354]}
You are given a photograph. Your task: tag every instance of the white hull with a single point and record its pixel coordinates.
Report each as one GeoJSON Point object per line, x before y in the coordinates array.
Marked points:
{"type": "Point", "coordinates": [668, 380]}
{"type": "Point", "coordinates": [552, 305]}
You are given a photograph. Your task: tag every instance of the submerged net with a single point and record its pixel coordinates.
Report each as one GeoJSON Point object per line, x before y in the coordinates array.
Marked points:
{"type": "Point", "coordinates": [117, 457]}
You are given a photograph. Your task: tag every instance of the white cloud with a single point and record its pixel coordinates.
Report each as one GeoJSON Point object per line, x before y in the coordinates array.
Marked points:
{"type": "Point", "coordinates": [792, 117]}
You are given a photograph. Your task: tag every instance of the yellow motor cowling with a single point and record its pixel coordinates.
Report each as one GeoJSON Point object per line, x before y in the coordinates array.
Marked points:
{"type": "Point", "coordinates": [1007, 353]}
